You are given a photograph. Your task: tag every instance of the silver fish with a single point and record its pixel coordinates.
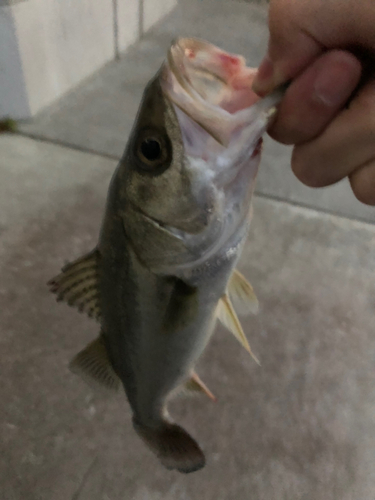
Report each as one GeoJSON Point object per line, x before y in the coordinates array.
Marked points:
{"type": "Point", "coordinates": [175, 223]}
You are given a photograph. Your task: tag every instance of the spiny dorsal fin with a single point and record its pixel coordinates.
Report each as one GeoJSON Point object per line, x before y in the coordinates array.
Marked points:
{"type": "Point", "coordinates": [227, 315]}
{"type": "Point", "coordinates": [242, 294]}
{"type": "Point", "coordinates": [77, 284]}
{"type": "Point", "coordinates": [92, 364]}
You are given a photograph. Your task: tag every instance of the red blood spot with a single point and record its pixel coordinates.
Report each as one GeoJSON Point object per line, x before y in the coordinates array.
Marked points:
{"type": "Point", "coordinates": [258, 148]}
{"type": "Point", "coordinates": [229, 60]}
{"type": "Point", "coordinates": [231, 64]}
{"type": "Point", "coordinates": [190, 53]}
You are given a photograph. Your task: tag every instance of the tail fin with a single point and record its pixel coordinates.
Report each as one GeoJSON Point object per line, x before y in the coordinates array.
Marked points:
{"type": "Point", "coordinates": [173, 446]}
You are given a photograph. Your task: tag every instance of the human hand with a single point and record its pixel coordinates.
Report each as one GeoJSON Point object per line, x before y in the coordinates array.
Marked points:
{"type": "Point", "coordinates": [312, 43]}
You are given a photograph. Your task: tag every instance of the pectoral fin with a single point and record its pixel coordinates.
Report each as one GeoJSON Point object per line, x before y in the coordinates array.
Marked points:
{"type": "Point", "coordinates": [93, 365]}
{"type": "Point", "coordinates": [227, 315]}
{"type": "Point", "coordinates": [77, 284]}
{"type": "Point", "coordinates": [242, 294]}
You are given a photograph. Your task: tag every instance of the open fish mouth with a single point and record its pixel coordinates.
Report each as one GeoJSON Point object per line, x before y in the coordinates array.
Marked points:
{"type": "Point", "coordinates": [213, 87]}
{"type": "Point", "coordinates": [220, 78]}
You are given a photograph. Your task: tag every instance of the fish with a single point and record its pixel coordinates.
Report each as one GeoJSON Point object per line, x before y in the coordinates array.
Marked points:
{"type": "Point", "coordinates": [176, 220]}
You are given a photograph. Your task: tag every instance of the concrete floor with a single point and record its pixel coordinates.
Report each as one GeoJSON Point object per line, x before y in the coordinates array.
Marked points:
{"type": "Point", "coordinates": [300, 427]}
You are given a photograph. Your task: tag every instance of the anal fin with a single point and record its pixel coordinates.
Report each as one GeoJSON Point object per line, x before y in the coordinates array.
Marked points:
{"type": "Point", "coordinates": [227, 315]}
{"type": "Point", "coordinates": [93, 365]}
{"type": "Point", "coordinates": [77, 284]}
{"type": "Point", "coordinates": [193, 386]}
{"type": "Point", "coordinates": [196, 385]}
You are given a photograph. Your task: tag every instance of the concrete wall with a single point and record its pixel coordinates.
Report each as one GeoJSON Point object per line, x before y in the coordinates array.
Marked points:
{"type": "Point", "coordinates": [49, 46]}
{"type": "Point", "coordinates": [154, 10]}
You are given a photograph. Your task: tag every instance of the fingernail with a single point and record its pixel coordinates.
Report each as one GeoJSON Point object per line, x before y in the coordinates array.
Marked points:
{"type": "Point", "coordinates": [263, 79]}
{"type": "Point", "coordinates": [333, 87]}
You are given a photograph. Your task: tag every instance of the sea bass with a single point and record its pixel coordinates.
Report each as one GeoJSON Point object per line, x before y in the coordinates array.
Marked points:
{"type": "Point", "coordinates": [176, 219]}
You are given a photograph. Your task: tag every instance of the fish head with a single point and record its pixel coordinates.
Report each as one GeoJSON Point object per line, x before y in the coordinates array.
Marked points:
{"type": "Point", "coordinates": [159, 184]}
{"type": "Point", "coordinates": [192, 158]}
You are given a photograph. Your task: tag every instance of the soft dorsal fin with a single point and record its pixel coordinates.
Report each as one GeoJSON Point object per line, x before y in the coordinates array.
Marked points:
{"type": "Point", "coordinates": [93, 365]}
{"type": "Point", "coordinates": [77, 284]}
{"type": "Point", "coordinates": [242, 294]}
{"type": "Point", "coordinates": [227, 315]}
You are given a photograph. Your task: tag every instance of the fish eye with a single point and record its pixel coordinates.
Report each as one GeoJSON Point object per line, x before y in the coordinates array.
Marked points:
{"type": "Point", "coordinates": [152, 150]}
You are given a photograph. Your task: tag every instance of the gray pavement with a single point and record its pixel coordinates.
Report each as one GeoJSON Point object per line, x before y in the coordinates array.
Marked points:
{"type": "Point", "coordinates": [300, 427]}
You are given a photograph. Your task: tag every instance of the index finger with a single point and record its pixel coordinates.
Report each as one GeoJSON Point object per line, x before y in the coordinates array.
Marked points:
{"type": "Point", "coordinates": [300, 30]}
{"type": "Point", "coordinates": [290, 48]}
